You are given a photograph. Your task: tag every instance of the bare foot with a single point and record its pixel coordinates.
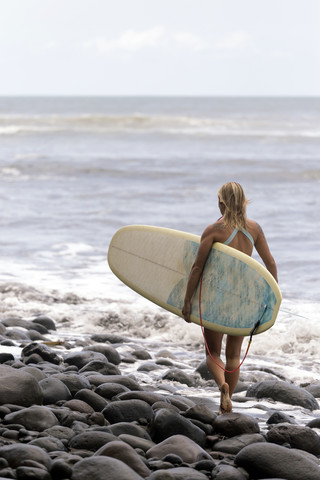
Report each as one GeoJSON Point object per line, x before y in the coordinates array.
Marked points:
{"type": "Point", "coordinates": [225, 402]}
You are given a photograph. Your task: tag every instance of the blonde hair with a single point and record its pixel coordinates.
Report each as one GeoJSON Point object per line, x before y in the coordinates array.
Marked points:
{"type": "Point", "coordinates": [231, 194]}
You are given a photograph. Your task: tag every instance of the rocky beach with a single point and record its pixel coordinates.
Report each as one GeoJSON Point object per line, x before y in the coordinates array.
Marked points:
{"type": "Point", "coordinates": [107, 406]}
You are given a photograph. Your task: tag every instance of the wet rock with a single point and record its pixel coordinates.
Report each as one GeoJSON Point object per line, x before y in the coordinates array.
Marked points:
{"type": "Point", "coordinates": [110, 390]}
{"type": "Point", "coordinates": [17, 454]}
{"type": "Point", "coordinates": [46, 321]}
{"type": "Point", "coordinates": [106, 468]}
{"type": "Point", "coordinates": [33, 418]}
{"type": "Point", "coordinates": [46, 353]}
{"type": "Point", "coordinates": [149, 397]}
{"type": "Point", "coordinates": [62, 433]}
{"type": "Point", "coordinates": [177, 375]}
{"type": "Point", "coordinates": [141, 354]}
{"type": "Point", "coordinates": [73, 382]}
{"type": "Point", "coordinates": [54, 390]}
{"type": "Point", "coordinates": [109, 337]}
{"type": "Point", "coordinates": [102, 367]}
{"type": "Point", "coordinates": [78, 406]}
{"type": "Point", "coordinates": [50, 444]}
{"type": "Point", "coordinates": [179, 473]}
{"type": "Point", "coordinates": [280, 417]}
{"type": "Point", "coordinates": [234, 444]}
{"type": "Point", "coordinates": [128, 428]}
{"type": "Point", "coordinates": [283, 392]}
{"type": "Point", "coordinates": [128, 382]}
{"type": "Point", "coordinates": [303, 438]}
{"type": "Point", "coordinates": [267, 460]}
{"type": "Point", "coordinates": [97, 402]}
{"type": "Point", "coordinates": [232, 424]}
{"type": "Point", "coordinates": [167, 423]}
{"type": "Point", "coordinates": [91, 440]}
{"type": "Point", "coordinates": [81, 359]}
{"type": "Point", "coordinates": [179, 445]}
{"type": "Point", "coordinates": [136, 442]}
{"type": "Point", "coordinates": [32, 473]}
{"type": "Point", "coordinates": [124, 452]}
{"type": "Point", "coordinates": [182, 403]}
{"type": "Point", "coordinates": [204, 371]}
{"type": "Point", "coordinates": [128, 411]}
{"type": "Point", "coordinates": [314, 389]}
{"type": "Point", "coordinates": [60, 469]}
{"type": "Point", "coordinates": [19, 387]}
{"type": "Point", "coordinates": [6, 357]}
{"type": "Point", "coordinates": [201, 413]}
{"type": "Point", "coordinates": [227, 472]}
{"type": "Point", "coordinates": [148, 367]}
{"type": "Point", "coordinates": [109, 352]}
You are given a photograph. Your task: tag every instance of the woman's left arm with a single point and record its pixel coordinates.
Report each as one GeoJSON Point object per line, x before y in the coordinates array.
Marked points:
{"type": "Point", "coordinates": [206, 241]}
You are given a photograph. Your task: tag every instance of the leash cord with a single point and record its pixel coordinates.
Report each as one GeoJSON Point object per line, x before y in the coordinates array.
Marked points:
{"type": "Point", "coordinates": [205, 340]}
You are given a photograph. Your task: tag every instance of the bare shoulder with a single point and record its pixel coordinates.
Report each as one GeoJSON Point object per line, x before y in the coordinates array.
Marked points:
{"type": "Point", "coordinates": [214, 232]}
{"type": "Point", "coordinates": [255, 229]}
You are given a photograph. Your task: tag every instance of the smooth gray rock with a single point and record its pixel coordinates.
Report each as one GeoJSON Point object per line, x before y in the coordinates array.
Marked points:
{"type": "Point", "coordinates": [17, 454]}
{"type": "Point", "coordinates": [268, 460]}
{"type": "Point", "coordinates": [108, 351]}
{"type": "Point", "coordinates": [54, 390]}
{"type": "Point", "coordinates": [167, 423]}
{"type": "Point", "coordinates": [128, 411]}
{"type": "Point", "coordinates": [45, 352]}
{"type": "Point", "coordinates": [125, 453]}
{"type": "Point", "coordinates": [19, 387]}
{"type": "Point", "coordinates": [283, 392]}
{"type": "Point", "coordinates": [91, 440]}
{"type": "Point", "coordinates": [128, 382]}
{"type": "Point", "coordinates": [233, 445]}
{"type": "Point", "coordinates": [97, 402]}
{"type": "Point", "coordinates": [177, 375]}
{"type": "Point", "coordinates": [102, 367]}
{"type": "Point", "coordinates": [303, 438]}
{"type": "Point", "coordinates": [180, 445]}
{"type": "Point", "coordinates": [106, 468]}
{"type": "Point", "coordinates": [232, 424]}
{"type": "Point", "coordinates": [73, 381]}
{"type": "Point", "coordinates": [81, 359]}
{"type": "Point", "coordinates": [227, 472]}
{"type": "Point", "coordinates": [33, 418]}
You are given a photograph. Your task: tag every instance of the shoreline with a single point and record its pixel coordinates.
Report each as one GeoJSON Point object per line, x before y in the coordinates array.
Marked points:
{"type": "Point", "coordinates": [105, 401]}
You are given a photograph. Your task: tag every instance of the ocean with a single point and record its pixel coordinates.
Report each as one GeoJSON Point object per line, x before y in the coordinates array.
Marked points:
{"type": "Point", "coordinates": [74, 170]}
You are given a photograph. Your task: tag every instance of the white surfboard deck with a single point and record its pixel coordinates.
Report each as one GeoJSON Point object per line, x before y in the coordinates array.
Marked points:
{"type": "Point", "coordinates": [236, 289]}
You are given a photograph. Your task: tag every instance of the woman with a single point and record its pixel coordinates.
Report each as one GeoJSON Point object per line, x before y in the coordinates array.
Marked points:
{"type": "Point", "coordinates": [237, 231]}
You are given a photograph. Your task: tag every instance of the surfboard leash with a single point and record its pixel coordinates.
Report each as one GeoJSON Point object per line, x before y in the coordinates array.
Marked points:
{"type": "Point", "coordinates": [205, 340]}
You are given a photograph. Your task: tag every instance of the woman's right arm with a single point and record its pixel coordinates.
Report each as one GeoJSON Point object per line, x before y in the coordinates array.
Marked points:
{"type": "Point", "coordinates": [263, 250]}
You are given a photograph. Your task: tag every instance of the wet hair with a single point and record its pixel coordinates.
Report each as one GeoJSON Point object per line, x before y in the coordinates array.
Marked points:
{"type": "Point", "coordinates": [231, 194]}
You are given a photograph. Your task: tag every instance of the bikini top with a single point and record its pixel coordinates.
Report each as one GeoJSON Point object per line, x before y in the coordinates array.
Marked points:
{"type": "Point", "coordinates": [234, 233]}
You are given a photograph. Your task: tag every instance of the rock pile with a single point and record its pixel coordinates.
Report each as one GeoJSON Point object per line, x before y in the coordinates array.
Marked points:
{"type": "Point", "coordinates": [74, 415]}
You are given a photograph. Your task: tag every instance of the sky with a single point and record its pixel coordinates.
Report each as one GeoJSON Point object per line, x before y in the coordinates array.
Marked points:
{"type": "Point", "coordinates": [160, 47]}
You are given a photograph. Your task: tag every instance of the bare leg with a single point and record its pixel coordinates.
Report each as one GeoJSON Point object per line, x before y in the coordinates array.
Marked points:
{"type": "Point", "coordinates": [214, 341]}
{"type": "Point", "coordinates": [233, 351]}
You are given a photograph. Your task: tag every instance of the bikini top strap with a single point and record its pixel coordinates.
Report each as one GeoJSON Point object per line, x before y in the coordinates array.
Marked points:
{"type": "Point", "coordinates": [248, 235]}
{"type": "Point", "coordinates": [233, 234]}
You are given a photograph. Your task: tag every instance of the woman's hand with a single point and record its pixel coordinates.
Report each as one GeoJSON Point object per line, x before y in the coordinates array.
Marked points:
{"type": "Point", "coordinates": [186, 309]}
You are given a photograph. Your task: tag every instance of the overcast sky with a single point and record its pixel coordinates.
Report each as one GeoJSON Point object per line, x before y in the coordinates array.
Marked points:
{"type": "Point", "coordinates": [160, 47]}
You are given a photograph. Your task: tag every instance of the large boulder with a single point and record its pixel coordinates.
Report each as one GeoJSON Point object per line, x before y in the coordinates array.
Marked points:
{"type": "Point", "coordinates": [106, 468]}
{"type": "Point", "coordinates": [17, 454]}
{"type": "Point", "coordinates": [33, 418]}
{"type": "Point", "coordinates": [303, 438]}
{"type": "Point", "coordinates": [232, 424]}
{"type": "Point", "coordinates": [18, 387]}
{"type": "Point", "coordinates": [180, 445]}
{"type": "Point", "coordinates": [283, 392]}
{"type": "Point", "coordinates": [267, 460]}
{"type": "Point", "coordinates": [128, 411]}
{"type": "Point", "coordinates": [167, 423]}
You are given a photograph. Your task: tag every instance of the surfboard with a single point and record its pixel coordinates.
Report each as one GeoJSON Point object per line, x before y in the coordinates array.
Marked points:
{"type": "Point", "coordinates": [236, 291]}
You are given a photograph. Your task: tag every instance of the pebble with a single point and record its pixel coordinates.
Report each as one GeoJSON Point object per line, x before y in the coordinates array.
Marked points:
{"type": "Point", "coordinates": [76, 415]}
